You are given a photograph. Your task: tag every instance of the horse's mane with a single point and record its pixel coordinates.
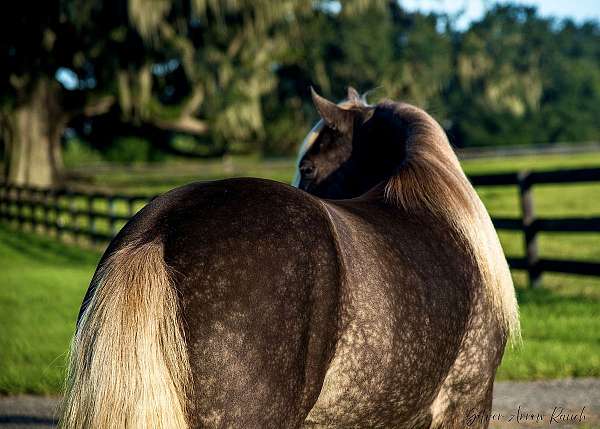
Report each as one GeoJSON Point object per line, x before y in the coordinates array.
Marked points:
{"type": "Point", "coordinates": [431, 178]}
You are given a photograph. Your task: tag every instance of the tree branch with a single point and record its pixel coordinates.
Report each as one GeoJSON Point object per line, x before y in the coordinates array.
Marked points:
{"type": "Point", "coordinates": [98, 106]}
{"type": "Point", "coordinates": [185, 124]}
{"type": "Point", "coordinates": [194, 102]}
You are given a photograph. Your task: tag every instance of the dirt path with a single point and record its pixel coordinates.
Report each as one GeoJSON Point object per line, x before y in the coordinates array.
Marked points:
{"type": "Point", "coordinates": [554, 401]}
{"type": "Point", "coordinates": [28, 411]}
{"type": "Point", "coordinates": [557, 402]}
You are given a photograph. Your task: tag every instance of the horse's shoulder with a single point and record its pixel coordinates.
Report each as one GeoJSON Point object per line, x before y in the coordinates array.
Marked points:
{"type": "Point", "coordinates": [405, 243]}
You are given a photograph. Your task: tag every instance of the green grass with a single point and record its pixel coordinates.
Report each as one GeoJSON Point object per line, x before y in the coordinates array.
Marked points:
{"type": "Point", "coordinates": [151, 179]}
{"type": "Point", "coordinates": [561, 330]}
{"type": "Point", "coordinates": [531, 163]}
{"type": "Point", "coordinates": [42, 282]}
{"type": "Point", "coordinates": [560, 322]}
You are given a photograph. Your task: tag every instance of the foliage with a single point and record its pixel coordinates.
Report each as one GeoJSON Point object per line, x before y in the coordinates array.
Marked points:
{"type": "Point", "coordinates": [234, 76]}
{"type": "Point", "coordinates": [128, 150]}
{"type": "Point", "coordinates": [524, 79]}
{"type": "Point", "coordinates": [511, 78]}
{"type": "Point", "coordinates": [77, 152]}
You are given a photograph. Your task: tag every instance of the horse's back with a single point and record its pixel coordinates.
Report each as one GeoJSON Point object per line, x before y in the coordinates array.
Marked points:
{"type": "Point", "coordinates": [255, 264]}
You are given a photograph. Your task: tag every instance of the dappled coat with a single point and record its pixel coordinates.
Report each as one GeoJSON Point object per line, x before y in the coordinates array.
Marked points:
{"type": "Point", "coordinates": [249, 303]}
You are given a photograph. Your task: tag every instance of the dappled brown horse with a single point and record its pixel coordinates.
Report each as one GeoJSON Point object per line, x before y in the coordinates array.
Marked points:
{"type": "Point", "coordinates": [248, 303]}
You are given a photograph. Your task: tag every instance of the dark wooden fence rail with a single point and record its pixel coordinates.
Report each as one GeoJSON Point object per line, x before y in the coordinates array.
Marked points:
{"type": "Point", "coordinates": [78, 213]}
{"type": "Point", "coordinates": [62, 211]}
{"type": "Point", "coordinates": [530, 225]}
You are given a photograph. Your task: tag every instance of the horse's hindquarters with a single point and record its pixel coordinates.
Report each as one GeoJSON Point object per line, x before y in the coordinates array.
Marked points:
{"type": "Point", "coordinates": [257, 273]}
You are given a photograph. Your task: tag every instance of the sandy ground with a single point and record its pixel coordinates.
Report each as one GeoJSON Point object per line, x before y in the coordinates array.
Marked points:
{"type": "Point", "coordinates": [539, 404]}
{"type": "Point", "coordinates": [26, 411]}
{"type": "Point", "coordinates": [553, 404]}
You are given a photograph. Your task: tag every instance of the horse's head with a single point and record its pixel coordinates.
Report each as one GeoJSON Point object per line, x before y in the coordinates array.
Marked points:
{"type": "Point", "coordinates": [352, 148]}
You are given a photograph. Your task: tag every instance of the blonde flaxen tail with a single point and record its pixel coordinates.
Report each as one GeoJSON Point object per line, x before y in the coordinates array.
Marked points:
{"type": "Point", "coordinates": [129, 366]}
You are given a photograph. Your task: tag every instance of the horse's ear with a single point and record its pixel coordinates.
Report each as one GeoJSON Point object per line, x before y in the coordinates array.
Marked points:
{"type": "Point", "coordinates": [353, 94]}
{"type": "Point", "coordinates": [333, 115]}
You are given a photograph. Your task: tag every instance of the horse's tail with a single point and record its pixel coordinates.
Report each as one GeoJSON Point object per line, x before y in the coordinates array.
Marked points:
{"type": "Point", "coordinates": [129, 366]}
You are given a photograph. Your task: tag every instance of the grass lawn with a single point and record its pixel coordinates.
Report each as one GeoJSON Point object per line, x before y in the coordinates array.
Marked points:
{"type": "Point", "coordinates": [42, 282]}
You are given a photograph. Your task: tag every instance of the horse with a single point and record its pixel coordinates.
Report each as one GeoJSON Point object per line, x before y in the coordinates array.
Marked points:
{"type": "Point", "coordinates": [250, 303]}
{"type": "Point", "coordinates": [352, 154]}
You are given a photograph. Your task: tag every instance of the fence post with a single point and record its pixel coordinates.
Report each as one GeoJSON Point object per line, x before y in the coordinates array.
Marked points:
{"type": "Point", "coordinates": [19, 205]}
{"type": "Point", "coordinates": [23, 198]}
{"type": "Point", "coordinates": [46, 205]}
{"type": "Point", "coordinates": [2, 199]}
{"type": "Point", "coordinates": [58, 222]}
{"type": "Point", "coordinates": [92, 219]}
{"type": "Point", "coordinates": [130, 207]}
{"type": "Point", "coordinates": [34, 202]}
{"type": "Point", "coordinates": [111, 215]}
{"type": "Point", "coordinates": [529, 228]}
{"type": "Point", "coordinates": [26, 208]}
{"type": "Point", "coordinates": [33, 208]}
{"type": "Point", "coordinates": [10, 193]}
{"type": "Point", "coordinates": [73, 219]}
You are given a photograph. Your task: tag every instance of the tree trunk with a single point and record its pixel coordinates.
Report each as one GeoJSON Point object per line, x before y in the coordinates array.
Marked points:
{"type": "Point", "coordinates": [32, 137]}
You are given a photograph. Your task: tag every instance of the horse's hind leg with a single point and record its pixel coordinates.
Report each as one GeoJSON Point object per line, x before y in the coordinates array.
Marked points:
{"type": "Point", "coordinates": [237, 385]}
{"type": "Point", "coordinates": [257, 359]}
{"type": "Point", "coordinates": [467, 406]}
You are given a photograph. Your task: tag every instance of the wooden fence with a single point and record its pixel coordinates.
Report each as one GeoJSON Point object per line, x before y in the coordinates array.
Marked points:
{"type": "Point", "coordinates": [92, 216]}
{"type": "Point", "coordinates": [530, 225]}
{"type": "Point", "coordinates": [97, 217]}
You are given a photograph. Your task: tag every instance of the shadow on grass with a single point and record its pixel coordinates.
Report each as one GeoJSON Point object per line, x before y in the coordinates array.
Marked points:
{"type": "Point", "coordinates": [45, 249]}
{"type": "Point", "coordinates": [547, 297]}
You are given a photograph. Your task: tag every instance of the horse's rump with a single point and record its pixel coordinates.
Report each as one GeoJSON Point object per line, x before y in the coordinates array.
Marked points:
{"type": "Point", "coordinates": [247, 269]}
{"type": "Point", "coordinates": [255, 264]}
